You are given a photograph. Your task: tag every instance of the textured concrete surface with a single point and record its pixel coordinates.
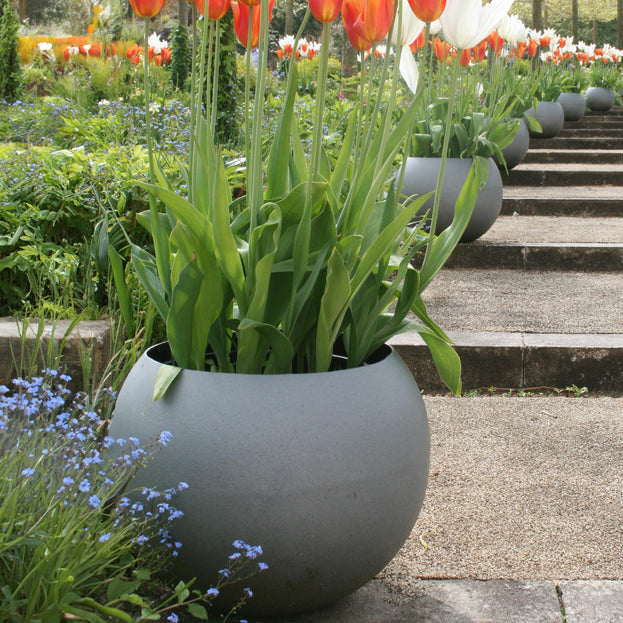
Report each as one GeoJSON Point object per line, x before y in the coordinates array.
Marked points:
{"type": "Point", "coordinates": [522, 522]}
{"type": "Point", "coordinates": [526, 301]}
{"type": "Point", "coordinates": [592, 601]}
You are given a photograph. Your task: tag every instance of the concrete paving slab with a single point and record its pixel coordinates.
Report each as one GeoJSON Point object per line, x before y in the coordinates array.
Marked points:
{"type": "Point", "coordinates": [443, 601]}
{"type": "Point", "coordinates": [526, 301]}
{"type": "Point", "coordinates": [519, 488]}
{"type": "Point", "coordinates": [574, 155]}
{"type": "Point", "coordinates": [592, 601]}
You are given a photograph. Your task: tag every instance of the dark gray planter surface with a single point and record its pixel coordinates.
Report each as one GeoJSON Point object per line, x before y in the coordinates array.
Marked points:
{"type": "Point", "coordinates": [573, 105]}
{"type": "Point", "coordinates": [517, 150]}
{"type": "Point", "coordinates": [599, 98]}
{"type": "Point", "coordinates": [327, 472]}
{"type": "Point", "coordinates": [551, 116]}
{"type": "Point", "coordinates": [421, 177]}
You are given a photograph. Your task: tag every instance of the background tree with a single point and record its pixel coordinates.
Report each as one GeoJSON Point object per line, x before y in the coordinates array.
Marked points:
{"type": "Point", "coordinates": [10, 71]}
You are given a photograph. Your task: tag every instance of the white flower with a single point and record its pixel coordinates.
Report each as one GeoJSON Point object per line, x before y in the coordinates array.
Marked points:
{"type": "Point", "coordinates": [156, 43]}
{"type": "Point", "coordinates": [466, 23]}
{"type": "Point", "coordinates": [411, 29]}
{"type": "Point", "coordinates": [512, 29]}
{"type": "Point", "coordinates": [435, 27]}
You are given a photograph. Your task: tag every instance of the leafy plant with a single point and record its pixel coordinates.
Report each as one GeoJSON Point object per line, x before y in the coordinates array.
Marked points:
{"type": "Point", "coordinates": [181, 57]}
{"type": "Point", "coordinates": [10, 71]}
{"type": "Point", "coordinates": [76, 542]}
{"type": "Point", "coordinates": [276, 280]}
{"type": "Point", "coordinates": [605, 74]}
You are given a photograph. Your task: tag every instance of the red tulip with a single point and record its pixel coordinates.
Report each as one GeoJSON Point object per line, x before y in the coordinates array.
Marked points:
{"type": "Point", "coordinates": [95, 50]}
{"type": "Point", "coordinates": [351, 9]}
{"type": "Point", "coordinates": [250, 2]}
{"type": "Point", "coordinates": [241, 22]}
{"type": "Point", "coordinates": [147, 8]}
{"type": "Point", "coordinates": [325, 10]}
{"type": "Point", "coordinates": [480, 51]}
{"type": "Point", "coordinates": [216, 8]}
{"type": "Point", "coordinates": [427, 10]}
{"type": "Point", "coordinates": [375, 19]}
{"type": "Point", "coordinates": [166, 55]}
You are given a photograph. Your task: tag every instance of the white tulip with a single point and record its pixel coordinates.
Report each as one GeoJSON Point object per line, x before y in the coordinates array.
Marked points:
{"type": "Point", "coordinates": [466, 23]}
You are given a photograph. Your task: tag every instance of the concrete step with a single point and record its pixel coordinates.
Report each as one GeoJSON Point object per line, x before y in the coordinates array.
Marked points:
{"type": "Point", "coordinates": [590, 131]}
{"type": "Point", "coordinates": [584, 156]}
{"type": "Point", "coordinates": [556, 174]}
{"type": "Point", "coordinates": [546, 243]}
{"type": "Point", "coordinates": [615, 111]}
{"type": "Point", "coordinates": [596, 123]}
{"type": "Point", "coordinates": [525, 328]}
{"type": "Point", "coordinates": [574, 200]}
{"type": "Point", "coordinates": [575, 142]}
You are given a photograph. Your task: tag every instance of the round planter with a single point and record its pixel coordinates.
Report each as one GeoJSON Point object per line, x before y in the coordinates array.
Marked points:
{"type": "Point", "coordinates": [326, 471]}
{"type": "Point", "coordinates": [573, 105]}
{"type": "Point", "coordinates": [551, 117]}
{"type": "Point", "coordinates": [599, 98]}
{"type": "Point", "coordinates": [517, 150]}
{"type": "Point", "coordinates": [421, 177]}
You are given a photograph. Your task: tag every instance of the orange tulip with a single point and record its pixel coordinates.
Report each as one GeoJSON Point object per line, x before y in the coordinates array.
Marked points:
{"type": "Point", "coordinates": [241, 22]}
{"type": "Point", "coordinates": [545, 41]}
{"type": "Point", "coordinates": [496, 42]}
{"type": "Point", "coordinates": [166, 55]}
{"type": "Point", "coordinates": [533, 46]}
{"type": "Point", "coordinates": [95, 50]}
{"type": "Point", "coordinates": [132, 51]}
{"type": "Point", "coordinates": [441, 49]}
{"type": "Point", "coordinates": [466, 58]}
{"type": "Point", "coordinates": [520, 49]}
{"type": "Point", "coordinates": [250, 2]}
{"type": "Point", "coordinates": [325, 10]}
{"type": "Point", "coordinates": [427, 10]}
{"type": "Point", "coordinates": [375, 19]}
{"type": "Point", "coordinates": [351, 9]}
{"type": "Point", "coordinates": [480, 51]}
{"type": "Point", "coordinates": [418, 44]}
{"type": "Point", "coordinates": [147, 8]}
{"type": "Point", "coordinates": [216, 8]}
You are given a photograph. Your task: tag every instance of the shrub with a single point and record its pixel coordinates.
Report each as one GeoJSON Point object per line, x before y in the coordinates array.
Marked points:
{"type": "Point", "coordinates": [10, 73]}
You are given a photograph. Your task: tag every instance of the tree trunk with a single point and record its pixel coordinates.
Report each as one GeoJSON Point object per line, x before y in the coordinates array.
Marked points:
{"type": "Point", "coordinates": [349, 57]}
{"type": "Point", "coordinates": [620, 24]}
{"type": "Point", "coordinates": [537, 14]}
{"type": "Point", "coordinates": [595, 31]}
{"type": "Point", "coordinates": [289, 22]}
{"type": "Point", "coordinates": [575, 19]}
{"type": "Point", "coordinates": [22, 10]}
{"type": "Point", "coordinates": [182, 12]}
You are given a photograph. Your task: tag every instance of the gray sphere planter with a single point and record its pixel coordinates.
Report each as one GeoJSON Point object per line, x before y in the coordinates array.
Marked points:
{"type": "Point", "coordinates": [573, 105]}
{"type": "Point", "coordinates": [551, 116]}
{"type": "Point", "coordinates": [515, 153]}
{"type": "Point", "coordinates": [421, 177]}
{"type": "Point", "coordinates": [326, 471]}
{"type": "Point", "coordinates": [599, 98]}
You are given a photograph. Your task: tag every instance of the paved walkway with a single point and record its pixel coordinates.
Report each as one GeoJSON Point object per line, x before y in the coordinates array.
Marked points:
{"type": "Point", "coordinates": [522, 521]}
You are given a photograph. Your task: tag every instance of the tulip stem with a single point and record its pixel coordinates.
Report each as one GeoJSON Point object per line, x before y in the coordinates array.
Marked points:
{"type": "Point", "coordinates": [320, 99]}
{"type": "Point", "coordinates": [446, 144]}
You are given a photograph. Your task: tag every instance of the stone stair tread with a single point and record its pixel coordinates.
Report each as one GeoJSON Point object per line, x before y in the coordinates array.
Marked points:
{"type": "Point", "coordinates": [602, 191]}
{"type": "Point", "coordinates": [569, 166]}
{"type": "Point", "coordinates": [555, 229]}
{"type": "Point", "coordinates": [521, 301]}
{"type": "Point", "coordinates": [579, 152]}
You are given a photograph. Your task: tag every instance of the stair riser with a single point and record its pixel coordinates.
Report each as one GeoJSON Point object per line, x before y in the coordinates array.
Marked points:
{"type": "Point", "coordinates": [578, 258]}
{"type": "Point", "coordinates": [563, 207]}
{"type": "Point", "coordinates": [517, 177]}
{"type": "Point", "coordinates": [577, 143]}
{"type": "Point", "coordinates": [573, 157]}
{"type": "Point", "coordinates": [591, 132]}
{"type": "Point", "coordinates": [517, 362]}
{"type": "Point", "coordinates": [593, 124]}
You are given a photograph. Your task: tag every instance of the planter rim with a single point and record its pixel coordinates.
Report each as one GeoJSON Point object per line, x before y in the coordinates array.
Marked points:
{"type": "Point", "coordinates": [159, 354]}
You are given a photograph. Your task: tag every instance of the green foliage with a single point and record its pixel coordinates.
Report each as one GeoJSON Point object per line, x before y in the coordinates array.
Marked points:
{"type": "Point", "coordinates": [77, 539]}
{"type": "Point", "coordinates": [10, 71]}
{"type": "Point", "coordinates": [606, 75]}
{"type": "Point", "coordinates": [181, 57]}
{"type": "Point", "coordinates": [49, 212]}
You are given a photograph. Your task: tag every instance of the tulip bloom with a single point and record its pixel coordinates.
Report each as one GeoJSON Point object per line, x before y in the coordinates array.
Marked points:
{"type": "Point", "coordinates": [351, 9]}
{"type": "Point", "coordinates": [441, 49]}
{"type": "Point", "coordinates": [533, 46]}
{"type": "Point", "coordinates": [467, 22]}
{"type": "Point", "coordinates": [325, 10]}
{"type": "Point", "coordinates": [216, 8]}
{"type": "Point", "coordinates": [375, 19]}
{"type": "Point", "coordinates": [241, 22]}
{"type": "Point", "coordinates": [428, 10]}
{"type": "Point", "coordinates": [495, 42]}
{"type": "Point", "coordinates": [147, 8]}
